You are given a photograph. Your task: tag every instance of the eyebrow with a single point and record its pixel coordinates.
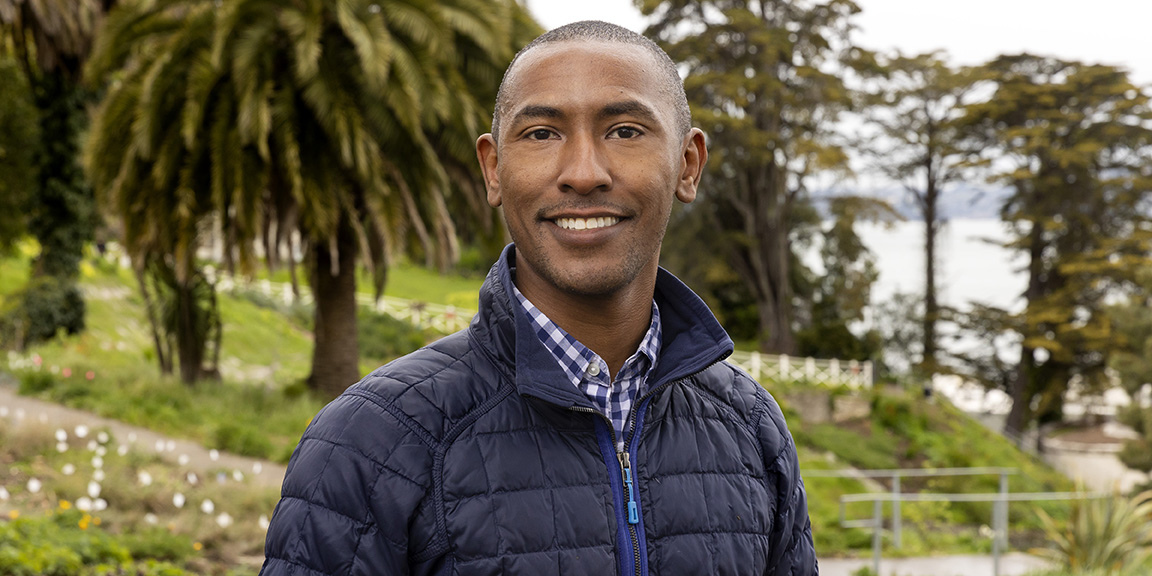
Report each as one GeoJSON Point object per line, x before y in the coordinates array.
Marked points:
{"type": "Point", "coordinates": [628, 107]}
{"type": "Point", "coordinates": [610, 110]}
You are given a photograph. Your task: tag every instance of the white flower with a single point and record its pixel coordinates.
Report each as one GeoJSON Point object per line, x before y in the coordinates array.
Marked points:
{"type": "Point", "coordinates": [224, 520]}
{"type": "Point", "coordinates": [183, 460]}
{"type": "Point", "coordinates": [263, 521]}
{"type": "Point", "coordinates": [122, 449]}
{"type": "Point", "coordinates": [207, 507]}
{"type": "Point", "coordinates": [102, 437]}
{"type": "Point", "coordinates": [100, 504]}
{"type": "Point", "coordinates": [178, 500]}
{"type": "Point", "coordinates": [81, 431]}
{"type": "Point", "coordinates": [192, 478]}
{"type": "Point", "coordinates": [257, 467]}
{"type": "Point", "coordinates": [170, 446]}
{"type": "Point", "coordinates": [98, 475]}
{"type": "Point", "coordinates": [237, 475]}
{"type": "Point", "coordinates": [61, 435]}
{"type": "Point", "coordinates": [61, 447]}
{"type": "Point", "coordinates": [131, 437]}
{"type": "Point", "coordinates": [84, 504]}
{"type": "Point", "coordinates": [159, 445]}
{"type": "Point", "coordinates": [92, 445]}
{"type": "Point", "coordinates": [4, 495]}
{"type": "Point", "coordinates": [93, 489]}
{"type": "Point", "coordinates": [144, 477]}
{"type": "Point", "coordinates": [34, 485]}
{"type": "Point", "coordinates": [151, 518]}
{"type": "Point", "coordinates": [100, 450]}
{"type": "Point", "coordinates": [97, 462]}
{"type": "Point", "coordinates": [68, 469]}
{"type": "Point", "coordinates": [214, 454]}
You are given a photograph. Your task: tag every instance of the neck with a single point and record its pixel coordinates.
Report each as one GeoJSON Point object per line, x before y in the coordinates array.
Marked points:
{"type": "Point", "coordinates": [610, 325]}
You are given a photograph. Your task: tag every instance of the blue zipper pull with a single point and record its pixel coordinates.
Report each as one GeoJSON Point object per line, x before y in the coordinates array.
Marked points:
{"type": "Point", "coordinates": [633, 511]}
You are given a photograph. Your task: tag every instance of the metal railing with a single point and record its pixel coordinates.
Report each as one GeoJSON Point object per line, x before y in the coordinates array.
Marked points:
{"type": "Point", "coordinates": [896, 474]}
{"type": "Point", "coordinates": [783, 368]}
{"type": "Point", "coordinates": [999, 513]}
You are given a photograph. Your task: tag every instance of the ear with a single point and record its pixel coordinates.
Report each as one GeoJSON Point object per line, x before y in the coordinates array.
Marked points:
{"type": "Point", "coordinates": [489, 160]}
{"type": "Point", "coordinates": [695, 155]}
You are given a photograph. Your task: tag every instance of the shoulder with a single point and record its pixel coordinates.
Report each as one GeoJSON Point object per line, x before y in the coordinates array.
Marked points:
{"type": "Point", "coordinates": [752, 402]}
{"type": "Point", "coordinates": [430, 389]}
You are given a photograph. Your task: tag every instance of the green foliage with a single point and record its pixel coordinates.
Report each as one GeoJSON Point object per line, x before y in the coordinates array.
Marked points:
{"type": "Point", "coordinates": [158, 544]}
{"type": "Point", "coordinates": [350, 123]}
{"type": "Point", "coordinates": [1076, 142]}
{"type": "Point", "coordinates": [55, 545]}
{"type": "Point", "coordinates": [765, 82]}
{"type": "Point", "coordinates": [19, 140]}
{"type": "Point", "coordinates": [46, 306]}
{"type": "Point", "coordinates": [1102, 534]}
{"type": "Point", "coordinates": [383, 337]}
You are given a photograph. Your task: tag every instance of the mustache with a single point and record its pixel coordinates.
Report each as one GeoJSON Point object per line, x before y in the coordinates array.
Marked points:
{"type": "Point", "coordinates": [582, 207]}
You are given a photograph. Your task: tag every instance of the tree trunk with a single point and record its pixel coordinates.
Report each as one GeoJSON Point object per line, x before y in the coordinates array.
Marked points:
{"type": "Point", "coordinates": [189, 342]}
{"type": "Point", "coordinates": [1021, 393]}
{"type": "Point", "coordinates": [931, 306]}
{"type": "Point", "coordinates": [335, 353]}
{"type": "Point", "coordinates": [149, 306]}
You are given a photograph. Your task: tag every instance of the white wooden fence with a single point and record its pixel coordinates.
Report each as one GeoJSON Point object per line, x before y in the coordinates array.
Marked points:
{"type": "Point", "coordinates": [783, 368]}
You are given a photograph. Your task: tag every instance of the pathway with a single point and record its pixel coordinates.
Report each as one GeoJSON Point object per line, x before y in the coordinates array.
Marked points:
{"type": "Point", "coordinates": [20, 410]}
{"type": "Point", "coordinates": [1013, 564]}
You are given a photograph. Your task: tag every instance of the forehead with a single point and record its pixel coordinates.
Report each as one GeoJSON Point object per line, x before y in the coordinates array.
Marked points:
{"type": "Point", "coordinates": [583, 73]}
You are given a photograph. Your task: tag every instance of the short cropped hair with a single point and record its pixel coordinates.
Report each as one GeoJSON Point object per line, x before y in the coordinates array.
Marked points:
{"type": "Point", "coordinates": [672, 87]}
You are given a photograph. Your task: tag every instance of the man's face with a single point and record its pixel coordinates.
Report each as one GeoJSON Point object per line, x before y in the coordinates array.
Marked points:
{"type": "Point", "coordinates": [587, 165]}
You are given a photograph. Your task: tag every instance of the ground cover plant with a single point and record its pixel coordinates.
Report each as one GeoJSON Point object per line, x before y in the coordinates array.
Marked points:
{"type": "Point", "coordinates": [81, 501]}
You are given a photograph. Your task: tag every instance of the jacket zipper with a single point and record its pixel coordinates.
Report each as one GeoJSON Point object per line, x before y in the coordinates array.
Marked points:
{"type": "Point", "coordinates": [631, 512]}
{"type": "Point", "coordinates": [625, 462]}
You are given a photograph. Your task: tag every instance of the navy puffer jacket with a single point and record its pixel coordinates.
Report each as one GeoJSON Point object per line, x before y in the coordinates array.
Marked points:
{"type": "Point", "coordinates": [476, 456]}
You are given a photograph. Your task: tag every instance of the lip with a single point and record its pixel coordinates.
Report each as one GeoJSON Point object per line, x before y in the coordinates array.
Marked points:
{"type": "Point", "coordinates": [588, 236]}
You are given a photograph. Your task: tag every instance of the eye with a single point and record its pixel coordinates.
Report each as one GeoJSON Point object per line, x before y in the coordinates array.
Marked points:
{"type": "Point", "coordinates": [625, 133]}
{"type": "Point", "coordinates": [540, 134]}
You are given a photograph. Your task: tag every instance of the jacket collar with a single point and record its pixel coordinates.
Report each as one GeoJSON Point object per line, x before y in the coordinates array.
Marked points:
{"type": "Point", "coordinates": [692, 338]}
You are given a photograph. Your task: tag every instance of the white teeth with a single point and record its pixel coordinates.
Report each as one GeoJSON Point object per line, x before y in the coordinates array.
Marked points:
{"type": "Point", "coordinates": [586, 223]}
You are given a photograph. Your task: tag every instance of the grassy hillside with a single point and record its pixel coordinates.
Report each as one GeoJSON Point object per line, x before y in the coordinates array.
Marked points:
{"type": "Point", "coordinates": [906, 431]}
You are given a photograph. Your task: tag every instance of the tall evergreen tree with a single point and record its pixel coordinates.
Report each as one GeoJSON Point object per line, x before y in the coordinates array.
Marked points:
{"type": "Point", "coordinates": [51, 40]}
{"type": "Point", "coordinates": [1074, 143]}
{"type": "Point", "coordinates": [919, 145]}
{"type": "Point", "coordinates": [760, 85]}
{"type": "Point", "coordinates": [340, 121]}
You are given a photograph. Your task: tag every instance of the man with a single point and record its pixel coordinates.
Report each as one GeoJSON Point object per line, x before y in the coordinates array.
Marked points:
{"type": "Point", "coordinates": [585, 423]}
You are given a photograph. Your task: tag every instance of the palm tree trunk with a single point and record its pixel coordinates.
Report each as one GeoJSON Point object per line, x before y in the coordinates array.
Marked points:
{"type": "Point", "coordinates": [189, 342]}
{"type": "Point", "coordinates": [335, 353]}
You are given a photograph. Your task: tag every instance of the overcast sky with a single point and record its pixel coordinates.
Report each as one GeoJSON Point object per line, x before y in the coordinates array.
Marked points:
{"type": "Point", "coordinates": [972, 31]}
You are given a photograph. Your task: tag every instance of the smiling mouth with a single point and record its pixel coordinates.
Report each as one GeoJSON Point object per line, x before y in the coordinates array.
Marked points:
{"type": "Point", "coordinates": [587, 223]}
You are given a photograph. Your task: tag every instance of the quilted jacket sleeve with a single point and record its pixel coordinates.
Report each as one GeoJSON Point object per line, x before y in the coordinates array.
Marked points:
{"type": "Point", "coordinates": [352, 487]}
{"type": "Point", "coordinates": [793, 553]}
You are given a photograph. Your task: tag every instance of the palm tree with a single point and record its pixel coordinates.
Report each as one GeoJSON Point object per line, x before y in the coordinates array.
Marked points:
{"type": "Point", "coordinates": [339, 120]}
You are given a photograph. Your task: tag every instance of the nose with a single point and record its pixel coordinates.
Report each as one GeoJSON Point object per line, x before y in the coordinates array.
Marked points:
{"type": "Point", "coordinates": [583, 167]}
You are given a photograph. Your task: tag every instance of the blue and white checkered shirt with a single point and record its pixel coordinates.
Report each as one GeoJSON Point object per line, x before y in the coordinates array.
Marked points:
{"type": "Point", "coordinates": [589, 373]}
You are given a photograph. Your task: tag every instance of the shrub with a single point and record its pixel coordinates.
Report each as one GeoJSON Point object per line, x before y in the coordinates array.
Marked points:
{"type": "Point", "coordinates": [36, 381]}
{"type": "Point", "coordinates": [242, 439]}
{"type": "Point", "coordinates": [1102, 534]}
{"type": "Point", "coordinates": [383, 337]}
{"type": "Point", "coordinates": [44, 307]}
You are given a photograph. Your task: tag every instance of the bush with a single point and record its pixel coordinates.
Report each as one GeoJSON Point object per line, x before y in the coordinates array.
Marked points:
{"type": "Point", "coordinates": [159, 544]}
{"type": "Point", "coordinates": [36, 381]}
{"type": "Point", "coordinates": [383, 337]}
{"type": "Point", "coordinates": [46, 306]}
{"type": "Point", "coordinates": [242, 439]}
{"type": "Point", "coordinates": [1102, 534]}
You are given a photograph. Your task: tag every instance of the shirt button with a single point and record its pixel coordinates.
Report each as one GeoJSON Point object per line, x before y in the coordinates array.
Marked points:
{"type": "Point", "coordinates": [593, 369]}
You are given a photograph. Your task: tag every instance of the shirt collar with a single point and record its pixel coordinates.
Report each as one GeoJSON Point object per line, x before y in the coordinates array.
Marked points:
{"type": "Point", "coordinates": [575, 358]}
